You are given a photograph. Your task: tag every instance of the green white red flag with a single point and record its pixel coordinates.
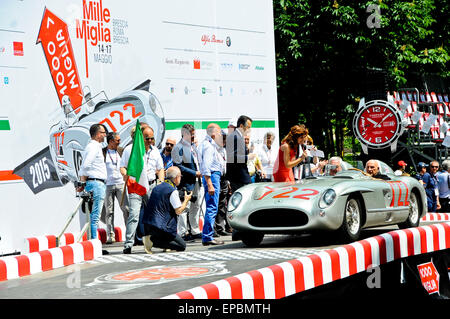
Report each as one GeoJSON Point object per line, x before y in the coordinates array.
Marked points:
{"type": "Point", "coordinates": [137, 168]}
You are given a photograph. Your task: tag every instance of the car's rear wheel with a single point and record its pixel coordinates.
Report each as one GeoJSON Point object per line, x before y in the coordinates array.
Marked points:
{"type": "Point", "coordinates": [414, 213]}
{"type": "Point", "coordinates": [251, 239]}
{"type": "Point", "coordinates": [351, 225]}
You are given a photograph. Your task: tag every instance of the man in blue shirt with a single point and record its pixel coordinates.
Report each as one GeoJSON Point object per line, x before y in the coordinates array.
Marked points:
{"type": "Point", "coordinates": [430, 183]}
{"type": "Point", "coordinates": [166, 153]}
{"type": "Point", "coordinates": [211, 168]}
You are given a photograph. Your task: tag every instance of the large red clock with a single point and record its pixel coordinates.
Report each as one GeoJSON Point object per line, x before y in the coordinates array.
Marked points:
{"type": "Point", "coordinates": [377, 124]}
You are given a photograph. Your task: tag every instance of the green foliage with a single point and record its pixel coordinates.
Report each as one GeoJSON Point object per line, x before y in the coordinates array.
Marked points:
{"type": "Point", "coordinates": [326, 48]}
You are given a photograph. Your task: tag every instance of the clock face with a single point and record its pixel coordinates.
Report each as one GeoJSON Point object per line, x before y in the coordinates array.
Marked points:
{"type": "Point", "coordinates": [377, 124]}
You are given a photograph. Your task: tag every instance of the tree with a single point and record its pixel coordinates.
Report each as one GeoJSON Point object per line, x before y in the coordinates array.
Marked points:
{"type": "Point", "coordinates": [327, 53]}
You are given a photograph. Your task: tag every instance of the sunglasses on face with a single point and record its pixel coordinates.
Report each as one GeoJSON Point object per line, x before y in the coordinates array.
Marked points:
{"type": "Point", "coordinates": [169, 144]}
{"type": "Point", "coordinates": [149, 138]}
{"type": "Point", "coordinates": [434, 166]}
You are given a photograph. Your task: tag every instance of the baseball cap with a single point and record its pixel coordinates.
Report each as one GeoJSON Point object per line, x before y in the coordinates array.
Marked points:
{"type": "Point", "coordinates": [402, 163]}
{"type": "Point", "coordinates": [422, 164]}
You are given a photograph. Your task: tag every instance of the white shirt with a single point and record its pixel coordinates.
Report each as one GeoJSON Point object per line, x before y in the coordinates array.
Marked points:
{"type": "Point", "coordinates": [175, 199]}
{"type": "Point", "coordinates": [93, 165]}
{"type": "Point", "coordinates": [152, 158]}
{"type": "Point", "coordinates": [267, 158]}
{"type": "Point", "coordinates": [112, 162]}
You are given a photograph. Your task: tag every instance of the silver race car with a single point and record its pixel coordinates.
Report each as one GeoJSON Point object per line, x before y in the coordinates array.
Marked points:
{"type": "Point", "coordinates": [346, 203]}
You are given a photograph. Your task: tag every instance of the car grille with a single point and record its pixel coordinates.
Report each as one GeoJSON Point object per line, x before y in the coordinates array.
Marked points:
{"type": "Point", "coordinates": [278, 218]}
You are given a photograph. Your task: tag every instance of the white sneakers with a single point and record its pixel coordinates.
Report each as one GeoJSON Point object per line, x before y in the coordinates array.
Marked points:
{"type": "Point", "coordinates": [148, 244]}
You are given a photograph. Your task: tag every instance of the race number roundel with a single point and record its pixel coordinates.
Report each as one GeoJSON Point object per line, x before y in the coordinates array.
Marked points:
{"type": "Point", "coordinates": [377, 124]}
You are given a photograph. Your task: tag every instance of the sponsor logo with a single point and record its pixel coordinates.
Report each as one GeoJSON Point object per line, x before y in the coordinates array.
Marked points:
{"type": "Point", "coordinates": [18, 48]}
{"type": "Point", "coordinates": [196, 64]}
{"type": "Point", "coordinates": [226, 66]}
{"type": "Point", "coordinates": [175, 61]}
{"type": "Point", "coordinates": [201, 64]}
{"type": "Point", "coordinates": [243, 66]}
{"type": "Point", "coordinates": [6, 80]}
{"type": "Point", "coordinates": [206, 38]}
{"type": "Point", "coordinates": [259, 68]}
{"type": "Point", "coordinates": [2, 49]}
{"type": "Point", "coordinates": [228, 42]}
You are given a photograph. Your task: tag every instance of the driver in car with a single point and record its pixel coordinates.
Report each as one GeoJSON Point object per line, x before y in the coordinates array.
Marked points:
{"type": "Point", "coordinates": [373, 169]}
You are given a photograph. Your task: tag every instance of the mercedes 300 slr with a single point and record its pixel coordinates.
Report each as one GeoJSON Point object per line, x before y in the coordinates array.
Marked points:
{"type": "Point", "coordinates": [346, 203]}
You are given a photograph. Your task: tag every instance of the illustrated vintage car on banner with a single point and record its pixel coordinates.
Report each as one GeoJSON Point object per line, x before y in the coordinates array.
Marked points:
{"type": "Point", "coordinates": [347, 202]}
{"type": "Point", "coordinates": [58, 163]}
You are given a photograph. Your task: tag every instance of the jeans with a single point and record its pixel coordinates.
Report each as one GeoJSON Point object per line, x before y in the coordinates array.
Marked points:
{"type": "Point", "coordinates": [98, 190]}
{"type": "Point", "coordinates": [212, 204]}
{"type": "Point", "coordinates": [135, 202]}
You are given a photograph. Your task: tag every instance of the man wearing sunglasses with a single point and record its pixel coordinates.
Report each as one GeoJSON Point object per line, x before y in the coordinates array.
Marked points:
{"type": "Point", "coordinates": [430, 182]}
{"type": "Point", "coordinates": [166, 153]}
{"type": "Point", "coordinates": [155, 173]}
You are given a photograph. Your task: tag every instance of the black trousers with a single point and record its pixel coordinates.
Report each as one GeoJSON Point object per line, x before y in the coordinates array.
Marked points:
{"type": "Point", "coordinates": [164, 240]}
{"type": "Point", "coordinates": [221, 222]}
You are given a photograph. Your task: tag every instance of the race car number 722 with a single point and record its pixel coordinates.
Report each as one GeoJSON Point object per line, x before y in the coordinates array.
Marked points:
{"type": "Point", "coordinates": [290, 192]}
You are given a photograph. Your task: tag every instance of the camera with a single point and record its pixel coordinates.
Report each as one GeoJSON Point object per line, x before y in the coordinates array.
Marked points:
{"type": "Point", "coordinates": [181, 194]}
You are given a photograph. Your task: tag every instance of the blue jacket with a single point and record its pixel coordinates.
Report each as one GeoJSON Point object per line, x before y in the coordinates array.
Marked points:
{"type": "Point", "coordinates": [183, 158]}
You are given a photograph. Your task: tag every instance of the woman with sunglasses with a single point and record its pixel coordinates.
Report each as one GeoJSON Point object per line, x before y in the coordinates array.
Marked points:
{"type": "Point", "coordinates": [287, 154]}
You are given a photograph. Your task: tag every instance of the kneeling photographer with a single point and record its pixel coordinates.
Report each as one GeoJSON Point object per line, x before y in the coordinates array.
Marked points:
{"type": "Point", "coordinates": [160, 214]}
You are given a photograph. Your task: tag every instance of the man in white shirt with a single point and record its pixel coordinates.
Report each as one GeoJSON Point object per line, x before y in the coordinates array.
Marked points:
{"type": "Point", "coordinates": [114, 185]}
{"type": "Point", "coordinates": [267, 155]}
{"type": "Point", "coordinates": [93, 173]}
{"type": "Point", "coordinates": [155, 172]}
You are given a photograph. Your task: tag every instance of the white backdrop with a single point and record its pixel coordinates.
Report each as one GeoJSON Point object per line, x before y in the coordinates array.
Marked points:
{"type": "Point", "coordinates": [208, 60]}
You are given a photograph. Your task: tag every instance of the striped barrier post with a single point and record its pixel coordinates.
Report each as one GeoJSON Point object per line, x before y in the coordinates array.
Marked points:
{"type": "Point", "coordinates": [294, 276]}
{"type": "Point", "coordinates": [12, 267]}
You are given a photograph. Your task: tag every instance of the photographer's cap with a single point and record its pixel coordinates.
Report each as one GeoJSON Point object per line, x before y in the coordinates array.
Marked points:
{"type": "Point", "coordinates": [422, 164]}
{"type": "Point", "coordinates": [232, 123]}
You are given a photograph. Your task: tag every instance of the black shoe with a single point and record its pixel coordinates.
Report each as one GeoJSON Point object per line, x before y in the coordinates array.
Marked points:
{"type": "Point", "coordinates": [127, 251]}
{"type": "Point", "coordinates": [197, 236]}
{"type": "Point", "coordinates": [213, 242]}
{"type": "Point", "coordinates": [223, 233]}
{"type": "Point", "coordinates": [216, 235]}
{"type": "Point", "coordinates": [188, 238]}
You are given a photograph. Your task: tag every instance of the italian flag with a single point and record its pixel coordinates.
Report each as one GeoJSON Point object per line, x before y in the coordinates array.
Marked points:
{"type": "Point", "coordinates": [137, 170]}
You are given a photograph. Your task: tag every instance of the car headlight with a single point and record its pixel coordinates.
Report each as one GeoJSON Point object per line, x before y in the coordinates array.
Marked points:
{"type": "Point", "coordinates": [234, 202]}
{"type": "Point", "coordinates": [327, 198]}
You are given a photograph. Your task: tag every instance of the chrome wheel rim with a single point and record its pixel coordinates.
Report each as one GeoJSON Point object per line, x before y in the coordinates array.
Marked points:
{"type": "Point", "coordinates": [413, 209]}
{"type": "Point", "coordinates": [352, 216]}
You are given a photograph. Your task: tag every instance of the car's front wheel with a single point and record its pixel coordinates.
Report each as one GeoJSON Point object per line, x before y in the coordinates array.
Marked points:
{"type": "Point", "coordinates": [352, 222]}
{"type": "Point", "coordinates": [414, 213]}
{"type": "Point", "coordinates": [252, 239]}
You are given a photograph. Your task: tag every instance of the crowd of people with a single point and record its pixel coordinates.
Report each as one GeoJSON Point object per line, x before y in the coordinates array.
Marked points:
{"type": "Point", "coordinates": [168, 214]}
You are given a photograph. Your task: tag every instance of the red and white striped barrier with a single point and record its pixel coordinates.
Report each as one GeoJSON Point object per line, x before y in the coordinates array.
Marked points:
{"type": "Point", "coordinates": [12, 267]}
{"type": "Point", "coordinates": [304, 273]}
{"type": "Point", "coordinates": [432, 217]}
{"type": "Point", "coordinates": [35, 244]}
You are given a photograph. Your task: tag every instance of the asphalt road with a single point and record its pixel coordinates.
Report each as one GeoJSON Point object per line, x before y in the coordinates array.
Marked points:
{"type": "Point", "coordinates": [143, 276]}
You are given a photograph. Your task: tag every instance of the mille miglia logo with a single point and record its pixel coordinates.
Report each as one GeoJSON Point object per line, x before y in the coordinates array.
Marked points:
{"type": "Point", "coordinates": [94, 27]}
